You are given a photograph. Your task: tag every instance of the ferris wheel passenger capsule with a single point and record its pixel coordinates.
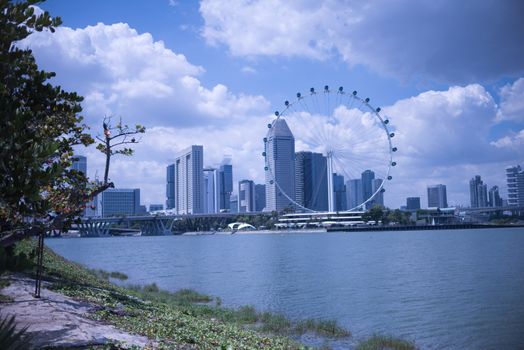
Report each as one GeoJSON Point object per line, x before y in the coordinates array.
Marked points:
{"type": "Point", "coordinates": [299, 94]}
{"type": "Point", "coordinates": [393, 163]}
{"type": "Point", "coordinates": [390, 177]}
{"type": "Point", "coordinates": [326, 88]}
{"type": "Point", "coordinates": [386, 121]}
{"type": "Point", "coordinates": [312, 90]}
{"type": "Point", "coordinates": [277, 113]}
{"type": "Point", "coordinates": [340, 89]}
{"type": "Point", "coordinates": [286, 103]}
{"type": "Point", "coordinates": [394, 149]}
{"type": "Point", "coordinates": [378, 109]}
{"type": "Point", "coordinates": [367, 99]}
{"type": "Point", "coordinates": [355, 93]}
{"type": "Point", "coordinates": [392, 134]}
{"type": "Point", "coordinates": [269, 126]}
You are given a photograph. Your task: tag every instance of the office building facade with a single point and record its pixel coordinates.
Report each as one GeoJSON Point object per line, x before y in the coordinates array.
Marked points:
{"type": "Point", "coordinates": [413, 203]}
{"type": "Point", "coordinates": [437, 196]}
{"type": "Point", "coordinates": [225, 187]}
{"type": "Point", "coordinates": [280, 163]}
{"type": "Point", "coordinates": [210, 190]}
{"type": "Point", "coordinates": [367, 178]}
{"type": "Point", "coordinates": [354, 193]}
{"type": "Point", "coordinates": [170, 186]}
{"type": "Point", "coordinates": [378, 198]}
{"type": "Point", "coordinates": [119, 202]}
{"type": "Point", "coordinates": [246, 196]}
{"type": "Point", "coordinates": [80, 164]}
{"type": "Point", "coordinates": [478, 193]}
{"type": "Point", "coordinates": [494, 199]}
{"type": "Point", "coordinates": [156, 207]}
{"type": "Point", "coordinates": [189, 181]}
{"type": "Point", "coordinates": [260, 197]}
{"type": "Point", "coordinates": [515, 185]}
{"type": "Point", "coordinates": [311, 185]}
{"type": "Point", "coordinates": [340, 195]}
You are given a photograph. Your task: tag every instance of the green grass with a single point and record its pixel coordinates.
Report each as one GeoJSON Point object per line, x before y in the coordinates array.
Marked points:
{"type": "Point", "coordinates": [382, 342]}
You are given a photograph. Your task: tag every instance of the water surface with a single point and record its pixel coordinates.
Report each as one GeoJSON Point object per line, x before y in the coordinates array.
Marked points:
{"type": "Point", "coordinates": [457, 289]}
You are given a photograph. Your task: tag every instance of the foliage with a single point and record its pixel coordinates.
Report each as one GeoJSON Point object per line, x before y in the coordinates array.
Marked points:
{"type": "Point", "coordinates": [39, 125]}
{"type": "Point", "coordinates": [381, 342]}
{"type": "Point", "coordinates": [385, 216]}
{"type": "Point", "coordinates": [10, 338]}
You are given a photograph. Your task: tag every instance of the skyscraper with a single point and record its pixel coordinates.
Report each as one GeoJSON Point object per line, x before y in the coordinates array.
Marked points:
{"type": "Point", "coordinates": [367, 178]}
{"type": "Point", "coordinates": [437, 197]}
{"type": "Point", "coordinates": [189, 181]}
{"type": "Point", "coordinates": [339, 189]}
{"type": "Point", "coordinates": [119, 201]}
{"type": "Point", "coordinates": [311, 180]}
{"type": "Point", "coordinates": [80, 164]}
{"type": "Point", "coordinates": [246, 196]}
{"type": "Point", "coordinates": [515, 183]}
{"type": "Point", "coordinates": [225, 187]}
{"type": "Point", "coordinates": [210, 190]}
{"type": "Point", "coordinates": [378, 199]}
{"type": "Point", "coordinates": [280, 155]}
{"type": "Point", "coordinates": [260, 197]}
{"type": "Point", "coordinates": [478, 193]}
{"type": "Point", "coordinates": [354, 193]}
{"type": "Point", "coordinates": [170, 186]}
{"type": "Point", "coordinates": [494, 197]}
{"type": "Point", "coordinates": [413, 203]}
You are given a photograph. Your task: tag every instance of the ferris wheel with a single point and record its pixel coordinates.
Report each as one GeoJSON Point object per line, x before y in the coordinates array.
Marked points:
{"type": "Point", "coordinates": [342, 151]}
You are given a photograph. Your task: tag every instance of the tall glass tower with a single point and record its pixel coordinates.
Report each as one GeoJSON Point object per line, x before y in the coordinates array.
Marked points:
{"type": "Point", "coordinates": [280, 155]}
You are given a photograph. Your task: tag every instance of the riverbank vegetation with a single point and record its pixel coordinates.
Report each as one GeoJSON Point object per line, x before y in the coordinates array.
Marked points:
{"type": "Point", "coordinates": [182, 319]}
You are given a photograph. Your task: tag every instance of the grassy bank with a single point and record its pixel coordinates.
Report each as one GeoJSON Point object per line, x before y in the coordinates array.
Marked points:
{"type": "Point", "coordinates": [183, 319]}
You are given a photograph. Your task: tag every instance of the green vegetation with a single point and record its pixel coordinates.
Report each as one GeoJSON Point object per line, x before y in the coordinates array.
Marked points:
{"type": "Point", "coordinates": [10, 338]}
{"type": "Point", "coordinates": [381, 342]}
{"type": "Point", "coordinates": [106, 275]}
{"type": "Point", "coordinates": [183, 318]}
{"type": "Point", "coordinates": [386, 216]}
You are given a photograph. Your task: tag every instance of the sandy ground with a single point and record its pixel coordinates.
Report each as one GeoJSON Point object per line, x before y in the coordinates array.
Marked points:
{"type": "Point", "coordinates": [56, 320]}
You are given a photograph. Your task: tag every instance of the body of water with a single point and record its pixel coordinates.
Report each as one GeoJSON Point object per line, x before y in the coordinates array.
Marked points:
{"type": "Point", "coordinates": [457, 289]}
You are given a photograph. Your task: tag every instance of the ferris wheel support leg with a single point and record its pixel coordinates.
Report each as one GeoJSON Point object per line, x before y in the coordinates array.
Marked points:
{"type": "Point", "coordinates": [331, 199]}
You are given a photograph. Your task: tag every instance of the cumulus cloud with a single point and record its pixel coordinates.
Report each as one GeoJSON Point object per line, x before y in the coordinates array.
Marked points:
{"type": "Point", "coordinates": [448, 41]}
{"type": "Point", "coordinates": [512, 102]}
{"type": "Point", "coordinates": [121, 72]}
{"type": "Point", "coordinates": [442, 135]}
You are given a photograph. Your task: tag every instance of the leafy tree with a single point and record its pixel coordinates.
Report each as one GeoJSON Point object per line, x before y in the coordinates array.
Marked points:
{"type": "Point", "coordinates": [376, 213]}
{"type": "Point", "coordinates": [39, 127]}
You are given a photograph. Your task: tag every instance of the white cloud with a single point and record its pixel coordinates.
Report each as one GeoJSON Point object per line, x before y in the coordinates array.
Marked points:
{"type": "Point", "coordinates": [444, 40]}
{"type": "Point", "coordinates": [512, 141]}
{"type": "Point", "coordinates": [124, 73]}
{"type": "Point", "coordinates": [442, 135]}
{"type": "Point", "coordinates": [512, 102]}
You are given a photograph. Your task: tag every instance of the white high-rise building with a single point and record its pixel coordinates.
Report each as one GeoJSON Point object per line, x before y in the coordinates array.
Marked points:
{"type": "Point", "coordinates": [515, 183]}
{"type": "Point", "coordinates": [189, 181]}
{"type": "Point", "coordinates": [280, 155]}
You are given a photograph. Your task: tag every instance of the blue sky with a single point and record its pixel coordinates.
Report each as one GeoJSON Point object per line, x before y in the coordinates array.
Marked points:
{"type": "Point", "coordinates": [448, 74]}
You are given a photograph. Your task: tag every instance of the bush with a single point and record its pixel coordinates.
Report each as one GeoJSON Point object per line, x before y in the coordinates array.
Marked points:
{"type": "Point", "coordinates": [10, 338]}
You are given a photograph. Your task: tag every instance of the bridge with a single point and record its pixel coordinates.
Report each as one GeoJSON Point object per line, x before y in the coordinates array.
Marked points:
{"type": "Point", "coordinates": [149, 225]}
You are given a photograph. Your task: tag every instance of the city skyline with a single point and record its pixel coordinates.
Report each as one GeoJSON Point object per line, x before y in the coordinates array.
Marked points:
{"type": "Point", "coordinates": [190, 77]}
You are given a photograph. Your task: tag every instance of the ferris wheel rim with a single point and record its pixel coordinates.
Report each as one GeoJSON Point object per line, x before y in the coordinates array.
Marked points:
{"type": "Point", "coordinates": [374, 111]}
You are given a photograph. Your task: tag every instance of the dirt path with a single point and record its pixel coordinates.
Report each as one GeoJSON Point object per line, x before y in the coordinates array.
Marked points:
{"type": "Point", "coordinates": [57, 320]}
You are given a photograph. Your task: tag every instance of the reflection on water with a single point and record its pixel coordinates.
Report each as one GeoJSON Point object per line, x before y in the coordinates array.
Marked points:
{"type": "Point", "coordinates": [444, 289]}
